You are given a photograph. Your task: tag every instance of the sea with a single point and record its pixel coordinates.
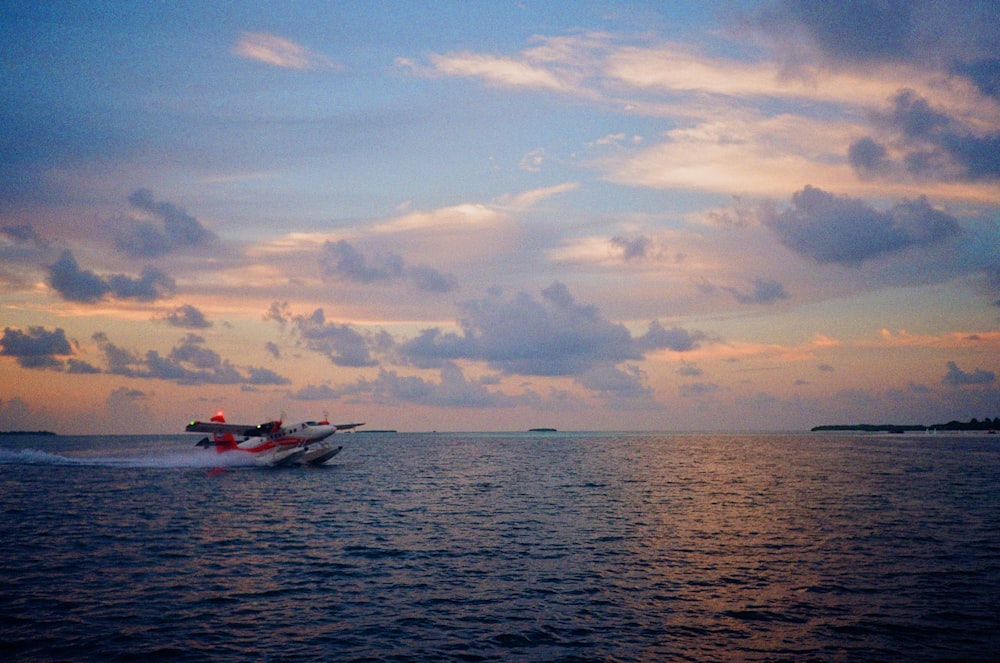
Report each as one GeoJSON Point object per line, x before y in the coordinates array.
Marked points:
{"type": "Point", "coordinates": [543, 546]}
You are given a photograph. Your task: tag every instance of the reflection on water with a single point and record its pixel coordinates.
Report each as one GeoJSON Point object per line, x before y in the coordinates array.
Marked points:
{"type": "Point", "coordinates": [516, 547]}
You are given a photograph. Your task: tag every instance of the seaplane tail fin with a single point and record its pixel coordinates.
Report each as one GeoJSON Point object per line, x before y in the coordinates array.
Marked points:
{"type": "Point", "coordinates": [224, 442]}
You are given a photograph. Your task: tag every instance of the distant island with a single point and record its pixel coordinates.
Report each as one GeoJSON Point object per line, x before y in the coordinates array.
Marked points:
{"type": "Point", "coordinates": [542, 430]}
{"type": "Point", "coordinates": [26, 432]}
{"type": "Point", "coordinates": [971, 425]}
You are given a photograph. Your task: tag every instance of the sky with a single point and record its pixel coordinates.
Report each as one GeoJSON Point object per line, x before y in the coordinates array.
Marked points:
{"type": "Point", "coordinates": [464, 216]}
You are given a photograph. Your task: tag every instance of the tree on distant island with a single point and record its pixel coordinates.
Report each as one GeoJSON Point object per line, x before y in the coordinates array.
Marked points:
{"type": "Point", "coordinates": [973, 424]}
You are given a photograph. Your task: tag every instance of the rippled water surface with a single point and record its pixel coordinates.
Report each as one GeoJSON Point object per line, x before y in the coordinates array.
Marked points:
{"type": "Point", "coordinates": [544, 547]}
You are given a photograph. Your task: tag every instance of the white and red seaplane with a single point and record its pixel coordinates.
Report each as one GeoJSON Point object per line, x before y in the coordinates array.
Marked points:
{"type": "Point", "coordinates": [272, 441]}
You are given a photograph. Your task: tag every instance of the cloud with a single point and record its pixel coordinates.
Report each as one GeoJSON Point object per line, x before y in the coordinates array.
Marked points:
{"type": "Point", "coordinates": [79, 285]}
{"type": "Point", "coordinates": [180, 229]}
{"type": "Point", "coordinates": [985, 74]}
{"type": "Point", "coordinates": [863, 30]}
{"type": "Point", "coordinates": [341, 259]}
{"type": "Point", "coordinates": [698, 389]}
{"type": "Point", "coordinates": [956, 377]}
{"type": "Point", "coordinates": [500, 71]}
{"type": "Point", "coordinates": [315, 392]}
{"type": "Point", "coordinates": [885, 31]}
{"type": "Point", "coordinates": [35, 348]}
{"type": "Point", "coordinates": [343, 345]}
{"type": "Point", "coordinates": [632, 248]}
{"type": "Point", "coordinates": [689, 370]}
{"type": "Point", "coordinates": [868, 157]}
{"type": "Point", "coordinates": [187, 316]}
{"type": "Point", "coordinates": [429, 279]}
{"type": "Point", "coordinates": [453, 390]}
{"type": "Point", "coordinates": [676, 339]}
{"type": "Point", "coordinates": [927, 143]}
{"type": "Point", "coordinates": [548, 336]}
{"type": "Point", "coordinates": [20, 241]}
{"type": "Point", "coordinates": [80, 367]}
{"type": "Point", "coordinates": [189, 362]}
{"type": "Point", "coordinates": [66, 277]}
{"type": "Point", "coordinates": [610, 381]}
{"type": "Point", "coordinates": [280, 52]}
{"type": "Point", "coordinates": [763, 292]}
{"type": "Point", "coordinates": [844, 230]}
{"type": "Point", "coordinates": [937, 144]}
{"type": "Point", "coordinates": [533, 160]}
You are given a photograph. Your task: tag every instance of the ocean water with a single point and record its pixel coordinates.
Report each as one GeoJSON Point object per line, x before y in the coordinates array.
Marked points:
{"type": "Point", "coordinates": [505, 547]}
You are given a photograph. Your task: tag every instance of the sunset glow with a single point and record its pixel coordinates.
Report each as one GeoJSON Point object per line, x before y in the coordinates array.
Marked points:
{"type": "Point", "coordinates": [480, 216]}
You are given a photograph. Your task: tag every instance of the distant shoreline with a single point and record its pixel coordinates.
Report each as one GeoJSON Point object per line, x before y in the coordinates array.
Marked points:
{"type": "Point", "coordinates": [26, 432]}
{"type": "Point", "coordinates": [972, 425]}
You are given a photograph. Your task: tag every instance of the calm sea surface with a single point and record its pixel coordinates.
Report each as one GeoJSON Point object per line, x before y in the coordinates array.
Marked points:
{"type": "Point", "coordinates": [519, 547]}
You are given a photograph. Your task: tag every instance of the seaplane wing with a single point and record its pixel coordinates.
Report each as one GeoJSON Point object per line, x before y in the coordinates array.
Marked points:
{"type": "Point", "coordinates": [222, 428]}
{"type": "Point", "coordinates": [347, 426]}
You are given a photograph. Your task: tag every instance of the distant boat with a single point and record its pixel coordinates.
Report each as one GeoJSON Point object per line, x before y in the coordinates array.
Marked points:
{"type": "Point", "coordinates": [542, 430]}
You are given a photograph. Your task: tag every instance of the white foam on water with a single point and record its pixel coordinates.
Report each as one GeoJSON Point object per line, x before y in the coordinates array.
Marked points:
{"type": "Point", "coordinates": [177, 459]}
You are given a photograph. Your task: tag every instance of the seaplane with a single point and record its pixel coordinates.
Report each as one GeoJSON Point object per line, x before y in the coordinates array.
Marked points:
{"type": "Point", "coordinates": [273, 442]}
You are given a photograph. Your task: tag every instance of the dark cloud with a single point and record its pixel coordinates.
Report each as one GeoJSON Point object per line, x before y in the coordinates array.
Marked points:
{"type": "Point", "coordinates": [264, 376]}
{"type": "Point", "coordinates": [956, 377]}
{"type": "Point", "coordinates": [657, 337]}
{"type": "Point", "coordinates": [839, 229]}
{"type": "Point", "coordinates": [763, 291]}
{"type": "Point", "coordinates": [190, 362]}
{"type": "Point", "coordinates": [932, 144]}
{"type": "Point", "coordinates": [632, 248]}
{"type": "Point", "coordinates": [550, 336]}
{"type": "Point", "coordinates": [858, 29]}
{"type": "Point", "coordinates": [119, 360]}
{"type": "Point", "coordinates": [179, 229]}
{"type": "Point", "coordinates": [80, 367]}
{"type": "Point", "coordinates": [20, 241]}
{"type": "Point", "coordinates": [187, 316]}
{"type": "Point", "coordinates": [143, 240]}
{"type": "Point", "coordinates": [151, 285]}
{"type": "Point", "coordinates": [985, 74]}
{"type": "Point", "coordinates": [279, 312]}
{"type": "Point", "coordinates": [340, 342]}
{"type": "Point", "coordinates": [35, 348]}
{"type": "Point", "coordinates": [429, 279]}
{"type": "Point", "coordinates": [80, 285]}
{"type": "Point", "coordinates": [868, 158]}
{"type": "Point", "coordinates": [858, 32]}
{"type": "Point", "coordinates": [342, 260]}
{"type": "Point", "coordinates": [66, 277]}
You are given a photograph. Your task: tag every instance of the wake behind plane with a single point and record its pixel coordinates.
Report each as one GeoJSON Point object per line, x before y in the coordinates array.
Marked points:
{"type": "Point", "coordinates": [272, 441]}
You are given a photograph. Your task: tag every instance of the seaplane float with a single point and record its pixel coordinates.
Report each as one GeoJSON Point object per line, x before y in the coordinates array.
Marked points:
{"type": "Point", "coordinates": [273, 442]}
